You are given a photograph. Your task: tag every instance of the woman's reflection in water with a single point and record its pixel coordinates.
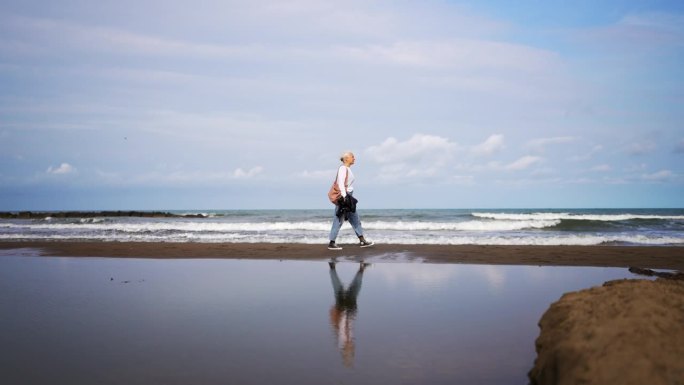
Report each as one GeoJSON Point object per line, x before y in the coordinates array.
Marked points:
{"type": "Point", "coordinates": [343, 313]}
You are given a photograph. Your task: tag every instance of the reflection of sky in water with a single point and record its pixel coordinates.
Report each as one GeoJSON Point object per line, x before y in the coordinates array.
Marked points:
{"type": "Point", "coordinates": [239, 321]}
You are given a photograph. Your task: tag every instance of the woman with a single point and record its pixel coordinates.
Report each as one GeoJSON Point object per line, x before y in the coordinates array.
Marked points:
{"type": "Point", "coordinates": [345, 182]}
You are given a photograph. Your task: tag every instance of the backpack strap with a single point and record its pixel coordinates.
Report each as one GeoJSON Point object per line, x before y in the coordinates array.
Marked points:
{"type": "Point", "coordinates": [346, 178]}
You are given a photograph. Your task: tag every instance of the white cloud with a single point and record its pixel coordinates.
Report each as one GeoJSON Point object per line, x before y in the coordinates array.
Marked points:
{"type": "Point", "coordinates": [379, 42]}
{"type": "Point", "coordinates": [580, 181]}
{"type": "Point", "coordinates": [317, 174]}
{"type": "Point", "coordinates": [641, 148]}
{"type": "Point", "coordinates": [416, 148]}
{"type": "Point", "coordinates": [464, 180]}
{"type": "Point", "coordinates": [238, 131]}
{"type": "Point", "coordinates": [494, 143]}
{"type": "Point", "coordinates": [659, 176]}
{"type": "Point", "coordinates": [540, 144]}
{"type": "Point", "coordinates": [176, 177]}
{"type": "Point", "coordinates": [640, 30]}
{"type": "Point", "coordinates": [523, 163]}
{"type": "Point", "coordinates": [419, 156]}
{"type": "Point", "coordinates": [651, 28]}
{"type": "Point", "coordinates": [588, 155]}
{"type": "Point", "coordinates": [455, 53]}
{"type": "Point", "coordinates": [545, 172]}
{"type": "Point", "coordinates": [670, 22]}
{"type": "Point", "coordinates": [641, 167]}
{"type": "Point", "coordinates": [252, 172]}
{"type": "Point", "coordinates": [60, 34]}
{"type": "Point", "coordinates": [614, 180]}
{"type": "Point", "coordinates": [62, 169]}
{"type": "Point", "coordinates": [601, 168]}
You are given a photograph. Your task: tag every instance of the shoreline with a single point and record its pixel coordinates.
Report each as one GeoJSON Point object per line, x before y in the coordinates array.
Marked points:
{"type": "Point", "coordinates": [653, 257]}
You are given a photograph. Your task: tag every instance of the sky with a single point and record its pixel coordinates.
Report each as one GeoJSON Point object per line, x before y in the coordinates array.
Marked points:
{"type": "Point", "coordinates": [162, 105]}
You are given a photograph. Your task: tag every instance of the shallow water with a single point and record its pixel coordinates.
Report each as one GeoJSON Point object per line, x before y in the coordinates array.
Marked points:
{"type": "Point", "coordinates": [141, 321]}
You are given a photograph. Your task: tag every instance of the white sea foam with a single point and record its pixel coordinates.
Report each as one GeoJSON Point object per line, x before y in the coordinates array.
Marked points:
{"type": "Point", "coordinates": [566, 240]}
{"type": "Point", "coordinates": [204, 214]}
{"type": "Point", "coordinates": [461, 226]}
{"type": "Point", "coordinates": [480, 228]}
{"type": "Point", "coordinates": [91, 220]}
{"type": "Point", "coordinates": [99, 224]}
{"type": "Point", "coordinates": [567, 216]}
{"type": "Point", "coordinates": [192, 226]}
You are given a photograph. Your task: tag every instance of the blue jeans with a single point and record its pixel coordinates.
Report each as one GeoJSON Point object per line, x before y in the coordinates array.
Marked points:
{"type": "Point", "coordinates": [337, 223]}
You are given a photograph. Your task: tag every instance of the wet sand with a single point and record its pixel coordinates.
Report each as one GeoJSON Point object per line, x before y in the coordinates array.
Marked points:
{"type": "Point", "coordinates": [605, 256]}
{"type": "Point", "coordinates": [624, 332]}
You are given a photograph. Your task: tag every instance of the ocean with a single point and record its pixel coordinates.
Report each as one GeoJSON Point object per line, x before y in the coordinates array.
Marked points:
{"type": "Point", "coordinates": [658, 227]}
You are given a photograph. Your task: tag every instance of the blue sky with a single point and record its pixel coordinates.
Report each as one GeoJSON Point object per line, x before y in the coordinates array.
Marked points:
{"type": "Point", "coordinates": [221, 104]}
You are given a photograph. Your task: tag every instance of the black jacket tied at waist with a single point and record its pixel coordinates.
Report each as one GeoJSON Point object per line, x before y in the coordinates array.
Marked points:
{"type": "Point", "coordinates": [345, 206]}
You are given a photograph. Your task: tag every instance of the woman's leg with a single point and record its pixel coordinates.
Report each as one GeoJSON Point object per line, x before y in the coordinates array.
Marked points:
{"type": "Point", "coordinates": [337, 223]}
{"type": "Point", "coordinates": [356, 223]}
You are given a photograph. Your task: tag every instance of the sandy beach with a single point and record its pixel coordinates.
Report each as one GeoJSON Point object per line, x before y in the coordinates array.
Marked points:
{"type": "Point", "coordinates": [606, 256]}
{"type": "Point", "coordinates": [624, 332]}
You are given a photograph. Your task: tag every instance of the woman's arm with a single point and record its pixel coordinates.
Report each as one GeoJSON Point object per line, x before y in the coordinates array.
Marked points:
{"type": "Point", "coordinates": [341, 179]}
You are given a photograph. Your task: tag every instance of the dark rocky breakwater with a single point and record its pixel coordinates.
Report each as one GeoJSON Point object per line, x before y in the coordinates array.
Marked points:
{"type": "Point", "coordinates": [93, 214]}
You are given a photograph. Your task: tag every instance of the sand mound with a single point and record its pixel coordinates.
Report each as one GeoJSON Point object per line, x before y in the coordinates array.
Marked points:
{"type": "Point", "coordinates": [624, 332]}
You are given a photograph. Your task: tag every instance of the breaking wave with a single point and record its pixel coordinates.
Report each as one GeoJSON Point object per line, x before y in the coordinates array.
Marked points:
{"type": "Point", "coordinates": [569, 240]}
{"type": "Point", "coordinates": [569, 216]}
{"type": "Point", "coordinates": [446, 227]}
{"type": "Point", "coordinates": [101, 225]}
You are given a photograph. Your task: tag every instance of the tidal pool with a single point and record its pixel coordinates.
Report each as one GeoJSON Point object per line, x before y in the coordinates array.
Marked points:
{"type": "Point", "coordinates": [145, 321]}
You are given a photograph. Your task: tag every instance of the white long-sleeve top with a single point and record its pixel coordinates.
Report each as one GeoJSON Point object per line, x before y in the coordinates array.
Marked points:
{"type": "Point", "coordinates": [342, 173]}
